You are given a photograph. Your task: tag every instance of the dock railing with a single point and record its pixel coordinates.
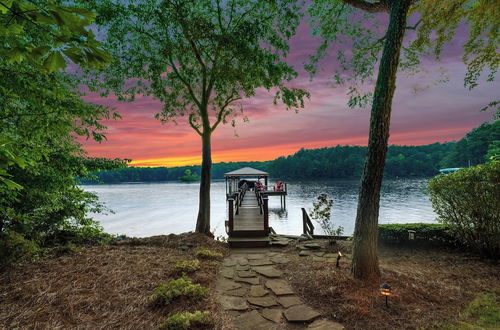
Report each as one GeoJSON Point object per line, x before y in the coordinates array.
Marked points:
{"type": "Point", "coordinates": [308, 228]}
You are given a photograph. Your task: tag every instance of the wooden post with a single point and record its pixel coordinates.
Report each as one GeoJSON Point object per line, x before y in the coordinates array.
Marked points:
{"type": "Point", "coordinates": [231, 215]}
{"type": "Point", "coordinates": [304, 224]}
{"type": "Point", "coordinates": [265, 199]}
{"type": "Point", "coordinates": [284, 202]}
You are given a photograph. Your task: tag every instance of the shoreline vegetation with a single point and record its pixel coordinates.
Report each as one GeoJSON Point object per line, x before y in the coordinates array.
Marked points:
{"type": "Point", "coordinates": [334, 162]}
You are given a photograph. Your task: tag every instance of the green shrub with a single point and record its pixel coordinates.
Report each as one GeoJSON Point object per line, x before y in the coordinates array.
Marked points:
{"type": "Point", "coordinates": [14, 248]}
{"type": "Point", "coordinates": [468, 202]}
{"type": "Point", "coordinates": [203, 253]}
{"type": "Point", "coordinates": [434, 233]}
{"type": "Point", "coordinates": [181, 287]}
{"type": "Point", "coordinates": [485, 310]}
{"type": "Point", "coordinates": [322, 215]}
{"type": "Point", "coordinates": [184, 321]}
{"type": "Point", "coordinates": [187, 266]}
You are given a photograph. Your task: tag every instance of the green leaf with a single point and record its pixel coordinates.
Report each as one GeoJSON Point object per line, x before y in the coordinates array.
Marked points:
{"type": "Point", "coordinates": [5, 6]}
{"type": "Point", "coordinates": [54, 62]}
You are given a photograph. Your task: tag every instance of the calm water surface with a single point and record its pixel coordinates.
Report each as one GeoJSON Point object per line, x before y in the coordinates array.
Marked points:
{"type": "Point", "coordinates": [146, 209]}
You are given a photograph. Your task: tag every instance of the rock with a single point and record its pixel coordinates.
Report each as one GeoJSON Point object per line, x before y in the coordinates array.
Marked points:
{"type": "Point", "coordinates": [225, 285]}
{"type": "Point", "coordinates": [262, 301]}
{"type": "Point", "coordinates": [236, 292]}
{"type": "Point", "coordinates": [301, 313]}
{"type": "Point", "coordinates": [246, 273]}
{"type": "Point", "coordinates": [280, 260]}
{"type": "Point", "coordinates": [242, 267]}
{"type": "Point", "coordinates": [304, 253]}
{"type": "Point", "coordinates": [268, 271]}
{"type": "Point", "coordinates": [258, 291]}
{"type": "Point", "coordinates": [272, 314]}
{"type": "Point", "coordinates": [233, 303]}
{"type": "Point", "coordinates": [280, 242]}
{"type": "Point", "coordinates": [229, 262]}
{"type": "Point", "coordinates": [312, 246]}
{"type": "Point", "coordinates": [319, 254]}
{"type": "Point", "coordinates": [253, 321]}
{"type": "Point", "coordinates": [255, 256]}
{"type": "Point", "coordinates": [289, 301]}
{"type": "Point", "coordinates": [279, 287]}
{"type": "Point", "coordinates": [250, 280]}
{"type": "Point", "coordinates": [184, 247]}
{"type": "Point", "coordinates": [263, 262]}
{"type": "Point", "coordinates": [243, 262]}
{"type": "Point", "coordinates": [227, 272]}
{"type": "Point", "coordinates": [302, 238]}
{"type": "Point", "coordinates": [330, 255]}
{"type": "Point", "coordinates": [324, 324]}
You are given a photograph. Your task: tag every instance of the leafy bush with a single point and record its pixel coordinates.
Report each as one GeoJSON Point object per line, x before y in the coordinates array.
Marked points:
{"type": "Point", "coordinates": [181, 287]}
{"type": "Point", "coordinates": [322, 215]}
{"type": "Point", "coordinates": [184, 321]}
{"type": "Point", "coordinates": [203, 253]}
{"type": "Point", "coordinates": [187, 266]}
{"type": "Point", "coordinates": [14, 248]}
{"type": "Point", "coordinates": [468, 202]}
{"type": "Point", "coordinates": [424, 232]}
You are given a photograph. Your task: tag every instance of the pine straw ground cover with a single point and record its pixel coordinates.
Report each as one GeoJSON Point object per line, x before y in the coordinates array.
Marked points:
{"type": "Point", "coordinates": [106, 286]}
{"type": "Point", "coordinates": [430, 288]}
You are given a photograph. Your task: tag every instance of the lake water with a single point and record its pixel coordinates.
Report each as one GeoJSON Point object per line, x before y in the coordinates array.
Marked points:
{"type": "Point", "coordinates": [147, 209]}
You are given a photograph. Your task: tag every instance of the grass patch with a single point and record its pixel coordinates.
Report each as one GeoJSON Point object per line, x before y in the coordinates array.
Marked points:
{"type": "Point", "coordinates": [203, 253]}
{"type": "Point", "coordinates": [481, 313]}
{"type": "Point", "coordinates": [182, 287]}
{"type": "Point", "coordinates": [187, 266]}
{"type": "Point", "coordinates": [184, 321]}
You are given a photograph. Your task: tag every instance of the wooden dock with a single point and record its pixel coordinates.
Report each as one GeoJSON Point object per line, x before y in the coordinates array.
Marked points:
{"type": "Point", "coordinates": [248, 212]}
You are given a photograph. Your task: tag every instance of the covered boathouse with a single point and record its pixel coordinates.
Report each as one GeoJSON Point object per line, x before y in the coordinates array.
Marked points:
{"type": "Point", "coordinates": [247, 195]}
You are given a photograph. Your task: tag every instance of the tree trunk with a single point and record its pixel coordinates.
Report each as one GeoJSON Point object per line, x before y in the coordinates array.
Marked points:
{"type": "Point", "coordinates": [364, 259]}
{"type": "Point", "coordinates": [203, 221]}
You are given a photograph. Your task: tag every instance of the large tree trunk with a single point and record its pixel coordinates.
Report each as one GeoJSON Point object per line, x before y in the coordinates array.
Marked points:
{"type": "Point", "coordinates": [203, 221]}
{"type": "Point", "coordinates": [364, 259]}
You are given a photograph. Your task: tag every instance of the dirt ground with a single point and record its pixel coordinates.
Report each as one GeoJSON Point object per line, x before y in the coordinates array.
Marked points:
{"type": "Point", "coordinates": [430, 287]}
{"type": "Point", "coordinates": [105, 286]}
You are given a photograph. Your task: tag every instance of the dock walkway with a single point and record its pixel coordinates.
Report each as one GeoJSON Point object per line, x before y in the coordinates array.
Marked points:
{"type": "Point", "coordinates": [249, 217]}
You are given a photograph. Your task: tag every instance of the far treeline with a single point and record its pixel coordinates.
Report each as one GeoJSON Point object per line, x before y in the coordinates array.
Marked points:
{"type": "Point", "coordinates": [340, 161]}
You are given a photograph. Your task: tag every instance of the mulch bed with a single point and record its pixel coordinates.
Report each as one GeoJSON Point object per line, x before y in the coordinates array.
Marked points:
{"type": "Point", "coordinates": [430, 287]}
{"type": "Point", "coordinates": [105, 286]}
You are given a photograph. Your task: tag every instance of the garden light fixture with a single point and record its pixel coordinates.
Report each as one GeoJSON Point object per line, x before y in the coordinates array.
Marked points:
{"type": "Point", "coordinates": [386, 290]}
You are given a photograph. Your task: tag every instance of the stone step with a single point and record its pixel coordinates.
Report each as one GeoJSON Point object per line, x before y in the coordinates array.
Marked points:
{"type": "Point", "coordinates": [248, 242]}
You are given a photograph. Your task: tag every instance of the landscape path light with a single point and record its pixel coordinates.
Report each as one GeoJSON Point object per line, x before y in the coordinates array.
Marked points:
{"type": "Point", "coordinates": [386, 290]}
{"type": "Point", "coordinates": [338, 259]}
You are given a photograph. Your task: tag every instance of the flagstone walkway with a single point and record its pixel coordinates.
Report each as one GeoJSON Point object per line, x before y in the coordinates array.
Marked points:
{"type": "Point", "coordinates": [253, 291]}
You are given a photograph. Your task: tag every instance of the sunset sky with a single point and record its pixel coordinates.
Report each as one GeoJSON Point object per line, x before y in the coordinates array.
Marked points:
{"type": "Point", "coordinates": [444, 112]}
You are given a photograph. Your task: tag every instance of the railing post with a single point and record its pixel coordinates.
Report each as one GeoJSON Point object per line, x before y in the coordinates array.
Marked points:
{"type": "Point", "coordinates": [304, 222]}
{"type": "Point", "coordinates": [231, 214]}
{"type": "Point", "coordinates": [265, 200]}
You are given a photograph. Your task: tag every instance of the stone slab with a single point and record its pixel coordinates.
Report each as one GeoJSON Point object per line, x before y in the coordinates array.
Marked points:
{"type": "Point", "coordinates": [301, 313]}
{"type": "Point", "coordinates": [242, 267]}
{"type": "Point", "coordinates": [241, 292]}
{"type": "Point", "coordinates": [263, 301]}
{"type": "Point", "coordinates": [312, 246]}
{"type": "Point", "coordinates": [225, 285]}
{"type": "Point", "coordinates": [268, 271]}
{"type": "Point", "coordinates": [272, 314]}
{"type": "Point", "coordinates": [253, 321]}
{"type": "Point", "coordinates": [324, 324]}
{"type": "Point", "coordinates": [280, 260]}
{"type": "Point", "coordinates": [258, 291]}
{"type": "Point", "coordinates": [246, 273]}
{"type": "Point", "coordinates": [279, 287]}
{"type": "Point", "coordinates": [261, 262]}
{"type": "Point", "coordinates": [255, 256]}
{"type": "Point", "coordinates": [233, 303]}
{"type": "Point", "coordinates": [288, 301]}
{"type": "Point", "coordinates": [229, 262]}
{"type": "Point", "coordinates": [227, 272]}
{"type": "Point", "coordinates": [250, 280]}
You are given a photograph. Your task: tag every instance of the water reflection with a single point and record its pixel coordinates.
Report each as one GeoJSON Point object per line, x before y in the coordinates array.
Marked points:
{"type": "Point", "coordinates": [146, 209]}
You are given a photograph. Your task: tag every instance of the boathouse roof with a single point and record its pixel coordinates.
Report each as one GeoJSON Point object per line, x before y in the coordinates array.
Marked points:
{"type": "Point", "coordinates": [247, 171]}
